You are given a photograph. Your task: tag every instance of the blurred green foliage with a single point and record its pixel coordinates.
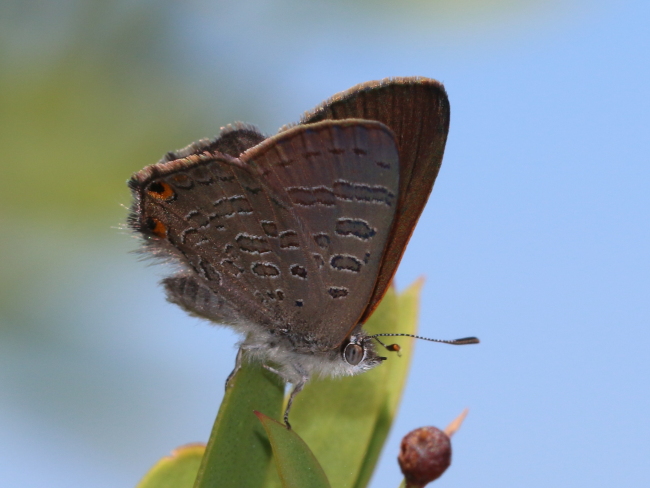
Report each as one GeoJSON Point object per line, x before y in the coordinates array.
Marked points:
{"type": "Point", "coordinates": [90, 92]}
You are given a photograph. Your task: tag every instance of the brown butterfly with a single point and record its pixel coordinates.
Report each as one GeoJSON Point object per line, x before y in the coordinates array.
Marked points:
{"type": "Point", "coordinates": [294, 239]}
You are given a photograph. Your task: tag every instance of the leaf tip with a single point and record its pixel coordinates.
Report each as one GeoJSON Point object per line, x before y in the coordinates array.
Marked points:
{"type": "Point", "coordinates": [455, 424]}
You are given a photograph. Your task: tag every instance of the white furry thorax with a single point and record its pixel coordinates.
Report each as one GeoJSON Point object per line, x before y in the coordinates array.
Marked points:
{"type": "Point", "coordinates": [295, 366]}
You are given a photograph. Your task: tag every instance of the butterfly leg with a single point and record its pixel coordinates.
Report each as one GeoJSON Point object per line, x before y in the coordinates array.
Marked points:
{"type": "Point", "coordinates": [298, 385]}
{"type": "Point", "coordinates": [275, 371]}
{"type": "Point", "coordinates": [238, 363]}
{"type": "Point", "coordinates": [239, 360]}
{"type": "Point", "coordinates": [297, 388]}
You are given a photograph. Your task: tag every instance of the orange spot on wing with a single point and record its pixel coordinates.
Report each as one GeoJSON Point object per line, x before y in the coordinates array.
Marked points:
{"type": "Point", "coordinates": [161, 190]}
{"type": "Point", "coordinates": [157, 227]}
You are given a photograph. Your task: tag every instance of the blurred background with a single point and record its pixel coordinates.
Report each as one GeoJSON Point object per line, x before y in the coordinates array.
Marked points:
{"type": "Point", "coordinates": [535, 239]}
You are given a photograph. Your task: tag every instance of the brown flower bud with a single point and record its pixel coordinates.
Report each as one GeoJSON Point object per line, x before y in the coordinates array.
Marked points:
{"type": "Point", "coordinates": [424, 455]}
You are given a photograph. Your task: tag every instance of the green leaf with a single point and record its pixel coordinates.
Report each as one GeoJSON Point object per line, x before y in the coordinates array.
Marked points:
{"type": "Point", "coordinates": [175, 471]}
{"type": "Point", "coordinates": [297, 467]}
{"type": "Point", "coordinates": [238, 453]}
{"type": "Point", "coordinates": [395, 377]}
{"type": "Point", "coordinates": [345, 421]}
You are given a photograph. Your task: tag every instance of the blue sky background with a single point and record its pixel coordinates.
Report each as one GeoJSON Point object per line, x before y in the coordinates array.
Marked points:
{"type": "Point", "coordinates": [535, 239]}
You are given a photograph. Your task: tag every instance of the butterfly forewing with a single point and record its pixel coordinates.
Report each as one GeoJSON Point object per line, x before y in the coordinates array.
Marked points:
{"type": "Point", "coordinates": [339, 181]}
{"type": "Point", "coordinates": [417, 111]}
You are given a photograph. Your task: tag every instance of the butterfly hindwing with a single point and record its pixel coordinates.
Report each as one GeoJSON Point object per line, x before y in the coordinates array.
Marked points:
{"type": "Point", "coordinates": [289, 236]}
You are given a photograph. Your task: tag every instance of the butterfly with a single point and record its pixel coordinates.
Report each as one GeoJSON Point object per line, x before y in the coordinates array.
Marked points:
{"type": "Point", "coordinates": [293, 239]}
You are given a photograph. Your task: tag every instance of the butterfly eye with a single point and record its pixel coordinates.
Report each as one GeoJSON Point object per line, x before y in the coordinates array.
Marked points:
{"type": "Point", "coordinates": [353, 354]}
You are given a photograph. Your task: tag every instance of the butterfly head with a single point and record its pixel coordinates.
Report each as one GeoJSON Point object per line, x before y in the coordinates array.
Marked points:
{"type": "Point", "coordinates": [359, 354]}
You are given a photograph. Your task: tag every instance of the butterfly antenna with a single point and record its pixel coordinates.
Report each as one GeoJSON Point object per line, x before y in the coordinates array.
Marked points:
{"type": "Point", "coordinates": [396, 347]}
{"type": "Point", "coordinates": [390, 347]}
